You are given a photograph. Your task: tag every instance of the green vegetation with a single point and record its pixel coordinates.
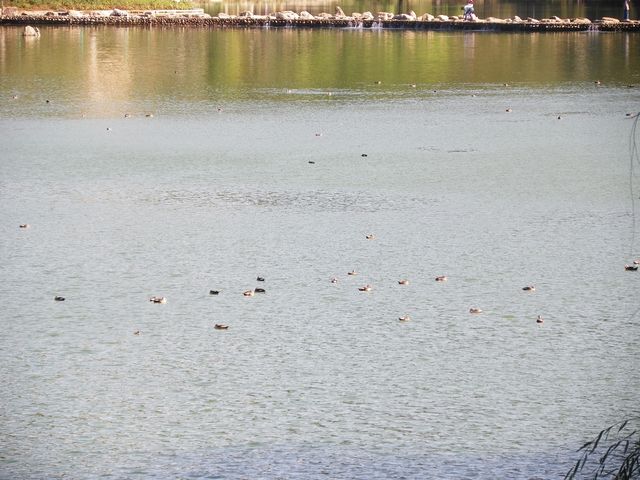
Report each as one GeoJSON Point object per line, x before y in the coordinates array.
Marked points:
{"type": "Point", "coordinates": [618, 449]}
{"type": "Point", "coordinates": [99, 4]}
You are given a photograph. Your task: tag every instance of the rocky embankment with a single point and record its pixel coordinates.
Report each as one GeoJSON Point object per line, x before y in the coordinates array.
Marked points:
{"type": "Point", "coordinates": [197, 18]}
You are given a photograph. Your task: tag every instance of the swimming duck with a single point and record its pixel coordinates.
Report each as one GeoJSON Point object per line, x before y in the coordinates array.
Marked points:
{"type": "Point", "coordinates": [137, 332]}
{"type": "Point", "coordinates": [334, 280]}
{"type": "Point", "coordinates": [539, 319]}
{"type": "Point", "coordinates": [441, 278]}
{"type": "Point", "coordinates": [248, 293]}
{"type": "Point", "coordinates": [529, 288]}
{"type": "Point", "coordinates": [24, 225]}
{"type": "Point", "coordinates": [403, 282]}
{"type": "Point", "coordinates": [59, 299]}
{"type": "Point", "coordinates": [260, 279]}
{"type": "Point", "coordinates": [475, 310]}
{"type": "Point", "coordinates": [260, 290]}
{"type": "Point", "coordinates": [352, 272]}
{"type": "Point", "coordinates": [370, 236]}
{"type": "Point", "coordinates": [631, 268]}
{"type": "Point", "coordinates": [404, 318]}
{"type": "Point", "coordinates": [366, 288]}
{"type": "Point", "coordinates": [155, 299]}
{"type": "Point", "coordinates": [214, 292]}
{"type": "Point", "coordinates": [220, 326]}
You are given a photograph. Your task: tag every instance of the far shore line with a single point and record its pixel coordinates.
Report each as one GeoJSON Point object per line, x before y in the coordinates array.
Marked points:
{"type": "Point", "coordinates": [367, 20]}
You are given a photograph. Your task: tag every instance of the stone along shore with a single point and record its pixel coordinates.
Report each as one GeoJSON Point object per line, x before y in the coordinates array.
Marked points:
{"type": "Point", "coordinates": [410, 21]}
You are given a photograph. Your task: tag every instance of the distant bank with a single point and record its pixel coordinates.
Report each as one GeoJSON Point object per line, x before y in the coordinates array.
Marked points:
{"type": "Point", "coordinates": [389, 20]}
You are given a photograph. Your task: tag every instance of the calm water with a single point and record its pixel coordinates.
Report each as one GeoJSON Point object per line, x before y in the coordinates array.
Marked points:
{"type": "Point", "coordinates": [314, 379]}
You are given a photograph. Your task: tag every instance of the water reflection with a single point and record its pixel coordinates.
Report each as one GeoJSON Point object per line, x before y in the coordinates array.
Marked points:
{"type": "Point", "coordinates": [107, 71]}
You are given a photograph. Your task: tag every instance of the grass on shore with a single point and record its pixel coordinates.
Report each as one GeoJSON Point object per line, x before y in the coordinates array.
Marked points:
{"type": "Point", "coordinates": [55, 5]}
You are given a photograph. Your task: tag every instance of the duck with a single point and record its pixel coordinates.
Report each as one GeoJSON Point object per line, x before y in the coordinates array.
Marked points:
{"type": "Point", "coordinates": [214, 292]}
{"type": "Point", "coordinates": [366, 288]}
{"type": "Point", "coordinates": [59, 299]}
{"type": "Point", "coordinates": [636, 262]}
{"type": "Point", "coordinates": [24, 225]}
{"type": "Point", "coordinates": [352, 272]}
{"type": "Point", "coordinates": [137, 332]}
{"type": "Point", "coordinates": [370, 236]}
{"type": "Point", "coordinates": [529, 288]}
{"type": "Point", "coordinates": [260, 279]}
{"type": "Point", "coordinates": [220, 326]}
{"type": "Point", "coordinates": [403, 282]}
{"type": "Point", "coordinates": [631, 268]}
{"type": "Point", "coordinates": [475, 310]}
{"type": "Point", "coordinates": [441, 278]}
{"type": "Point", "coordinates": [334, 280]}
{"type": "Point", "coordinates": [155, 299]}
{"type": "Point", "coordinates": [539, 319]}
{"type": "Point", "coordinates": [259, 290]}
{"type": "Point", "coordinates": [404, 318]}
{"type": "Point", "coordinates": [248, 293]}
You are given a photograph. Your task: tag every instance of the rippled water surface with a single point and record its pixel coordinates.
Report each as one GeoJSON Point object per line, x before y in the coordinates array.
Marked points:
{"type": "Point", "coordinates": [254, 167]}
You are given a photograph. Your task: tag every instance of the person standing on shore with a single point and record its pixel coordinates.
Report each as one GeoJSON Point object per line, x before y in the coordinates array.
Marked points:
{"type": "Point", "coordinates": [626, 10]}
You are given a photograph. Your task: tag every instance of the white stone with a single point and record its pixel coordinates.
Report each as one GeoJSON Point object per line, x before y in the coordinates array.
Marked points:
{"type": "Point", "coordinates": [30, 31]}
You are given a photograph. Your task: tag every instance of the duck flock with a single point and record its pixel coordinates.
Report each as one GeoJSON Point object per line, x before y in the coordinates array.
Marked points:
{"type": "Point", "coordinates": [364, 288]}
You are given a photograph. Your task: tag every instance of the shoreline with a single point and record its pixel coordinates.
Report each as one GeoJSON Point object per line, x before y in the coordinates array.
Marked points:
{"type": "Point", "coordinates": [197, 19]}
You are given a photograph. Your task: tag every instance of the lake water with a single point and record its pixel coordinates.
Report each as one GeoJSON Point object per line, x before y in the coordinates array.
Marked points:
{"type": "Point", "coordinates": [496, 186]}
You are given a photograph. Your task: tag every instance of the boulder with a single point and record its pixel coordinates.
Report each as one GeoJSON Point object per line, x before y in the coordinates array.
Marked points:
{"type": "Point", "coordinates": [427, 17]}
{"type": "Point", "coordinates": [403, 16]}
{"type": "Point", "coordinates": [532, 20]}
{"type": "Point", "coordinates": [582, 21]}
{"type": "Point", "coordinates": [610, 20]}
{"type": "Point", "coordinates": [367, 16]}
{"type": "Point", "coordinates": [9, 11]}
{"type": "Point", "coordinates": [30, 31]}
{"type": "Point", "coordinates": [339, 12]}
{"type": "Point", "coordinates": [287, 15]}
{"type": "Point", "coordinates": [517, 19]}
{"type": "Point", "coordinates": [496, 20]}
{"type": "Point", "coordinates": [224, 16]}
{"type": "Point", "coordinates": [324, 16]}
{"type": "Point", "coordinates": [246, 14]}
{"type": "Point", "coordinates": [306, 15]}
{"type": "Point", "coordinates": [385, 16]}
{"type": "Point", "coordinates": [119, 13]}
{"type": "Point", "coordinates": [443, 18]}
{"type": "Point", "coordinates": [75, 14]}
